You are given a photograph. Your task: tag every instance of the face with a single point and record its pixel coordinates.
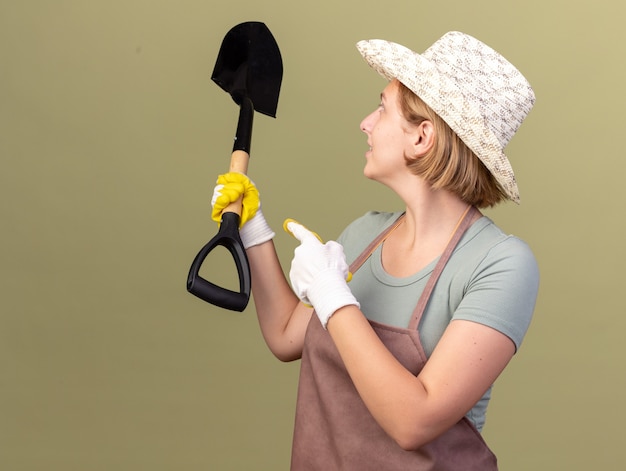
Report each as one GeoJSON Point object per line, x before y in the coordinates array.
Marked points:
{"type": "Point", "coordinates": [389, 137]}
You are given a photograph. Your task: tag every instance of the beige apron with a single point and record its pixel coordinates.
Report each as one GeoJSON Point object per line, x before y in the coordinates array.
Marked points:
{"type": "Point", "coordinates": [335, 431]}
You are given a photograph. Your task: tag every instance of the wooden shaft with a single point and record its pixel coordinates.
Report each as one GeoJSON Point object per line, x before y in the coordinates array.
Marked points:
{"type": "Point", "coordinates": [238, 163]}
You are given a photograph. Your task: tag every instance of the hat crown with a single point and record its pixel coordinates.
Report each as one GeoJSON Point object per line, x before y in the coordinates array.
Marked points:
{"type": "Point", "coordinates": [486, 80]}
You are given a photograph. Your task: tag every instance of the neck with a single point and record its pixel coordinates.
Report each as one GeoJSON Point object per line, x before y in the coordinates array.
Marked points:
{"type": "Point", "coordinates": [431, 219]}
{"type": "Point", "coordinates": [421, 237]}
{"type": "Point", "coordinates": [434, 215]}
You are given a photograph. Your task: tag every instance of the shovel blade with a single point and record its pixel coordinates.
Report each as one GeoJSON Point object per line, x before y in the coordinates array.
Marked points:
{"type": "Point", "coordinates": [249, 65]}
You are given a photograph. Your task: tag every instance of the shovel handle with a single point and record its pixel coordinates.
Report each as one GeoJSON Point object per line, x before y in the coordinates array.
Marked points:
{"type": "Point", "coordinates": [238, 163]}
{"type": "Point", "coordinates": [228, 237]}
{"type": "Point", "coordinates": [228, 234]}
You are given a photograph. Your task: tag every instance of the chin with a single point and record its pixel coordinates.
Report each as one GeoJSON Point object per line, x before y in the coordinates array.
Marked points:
{"type": "Point", "coordinates": [371, 175]}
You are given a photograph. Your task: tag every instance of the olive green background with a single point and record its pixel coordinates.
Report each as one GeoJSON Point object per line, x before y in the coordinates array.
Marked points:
{"type": "Point", "coordinates": [112, 135]}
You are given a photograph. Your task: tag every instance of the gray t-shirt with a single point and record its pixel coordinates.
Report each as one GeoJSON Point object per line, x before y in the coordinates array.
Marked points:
{"type": "Point", "coordinates": [491, 278]}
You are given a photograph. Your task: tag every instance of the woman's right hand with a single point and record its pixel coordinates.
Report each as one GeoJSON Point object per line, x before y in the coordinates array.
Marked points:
{"type": "Point", "coordinates": [282, 318]}
{"type": "Point", "coordinates": [253, 229]}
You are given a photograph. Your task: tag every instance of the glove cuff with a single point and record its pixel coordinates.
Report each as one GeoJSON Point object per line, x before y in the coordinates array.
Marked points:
{"type": "Point", "coordinates": [330, 292]}
{"type": "Point", "coordinates": [256, 231]}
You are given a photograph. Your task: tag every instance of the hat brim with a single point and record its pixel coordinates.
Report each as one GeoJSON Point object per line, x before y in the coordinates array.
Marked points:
{"type": "Point", "coordinates": [416, 72]}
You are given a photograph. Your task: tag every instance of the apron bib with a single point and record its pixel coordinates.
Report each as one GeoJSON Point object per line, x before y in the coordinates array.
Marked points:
{"type": "Point", "coordinates": [335, 431]}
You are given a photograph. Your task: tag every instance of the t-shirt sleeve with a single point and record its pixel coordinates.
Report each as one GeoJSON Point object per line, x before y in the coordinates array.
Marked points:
{"type": "Point", "coordinates": [503, 289]}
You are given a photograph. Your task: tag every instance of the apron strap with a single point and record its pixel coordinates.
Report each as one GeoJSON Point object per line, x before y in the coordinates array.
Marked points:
{"type": "Point", "coordinates": [463, 225]}
{"type": "Point", "coordinates": [360, 260]}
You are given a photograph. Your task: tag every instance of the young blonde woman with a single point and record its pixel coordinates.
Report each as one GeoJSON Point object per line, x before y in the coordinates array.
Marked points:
{"type": "Point", "coordinates": [397, 365]}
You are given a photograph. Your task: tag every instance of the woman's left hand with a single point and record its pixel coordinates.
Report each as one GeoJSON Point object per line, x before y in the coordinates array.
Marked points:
{"type": "Point", "coordinates": [318, 273]}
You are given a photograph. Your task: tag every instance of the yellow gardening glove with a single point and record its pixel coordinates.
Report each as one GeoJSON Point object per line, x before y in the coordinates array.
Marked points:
{"type": "Point", "coordinates": [230, 187]}
{"type": "Point", "coordinates": [253, 228]}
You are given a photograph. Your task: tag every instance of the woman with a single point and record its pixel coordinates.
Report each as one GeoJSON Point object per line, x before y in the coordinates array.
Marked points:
{"type": "Point", "coordinates": [397, 364]}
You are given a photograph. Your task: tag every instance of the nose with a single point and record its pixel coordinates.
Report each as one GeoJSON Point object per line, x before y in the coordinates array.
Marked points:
{"type": "Point", "coordinates": [368, 122]}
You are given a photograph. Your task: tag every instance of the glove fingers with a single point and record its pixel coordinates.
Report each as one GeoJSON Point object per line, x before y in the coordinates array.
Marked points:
{"type": "Point", "coordinates": [251, 203]}
{"type": "Point", "coordinates": [230, 187]}
{"type": "Point", "coordinates": [232, 177]}
{"type": "Point", "coordinates": [217, 192]}
{"type": "Point", "coordinates": [301, 233]}
{"type": "Point", "coordinates": [222, 197]}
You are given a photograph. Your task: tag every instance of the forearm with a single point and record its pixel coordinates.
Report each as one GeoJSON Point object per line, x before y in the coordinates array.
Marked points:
{"type": "Point", "coordinates": [282, 318]}
{"type": "Point", "coordinates": [392, 394]}
{"type": "Point", "coordinates": [415, 410]}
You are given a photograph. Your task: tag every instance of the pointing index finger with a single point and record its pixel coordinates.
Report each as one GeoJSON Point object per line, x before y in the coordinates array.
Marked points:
{"type": "Point", "coordinates": [299, 231]}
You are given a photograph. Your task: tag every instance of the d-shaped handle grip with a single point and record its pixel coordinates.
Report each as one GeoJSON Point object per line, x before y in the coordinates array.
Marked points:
{"type": "Point", "coordinates": [228, 237]}
{"type": "Point", "coordinates": [228, 234]}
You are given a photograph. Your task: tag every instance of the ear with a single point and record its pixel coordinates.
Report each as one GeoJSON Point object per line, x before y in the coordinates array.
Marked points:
{"type": "Point", "coordinates": [422, 138]}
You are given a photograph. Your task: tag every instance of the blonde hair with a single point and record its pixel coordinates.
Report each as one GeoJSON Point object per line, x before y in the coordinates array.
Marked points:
{"type": "Point", "coordinates": [450, 164]}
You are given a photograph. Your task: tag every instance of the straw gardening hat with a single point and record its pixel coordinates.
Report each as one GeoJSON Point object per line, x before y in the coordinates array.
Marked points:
{"type": "Point", "coordinates": [475, 90]}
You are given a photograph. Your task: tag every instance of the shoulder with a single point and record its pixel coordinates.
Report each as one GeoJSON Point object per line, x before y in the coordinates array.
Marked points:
{"type": "Point", "coordinates": [493, 249]}
{"type": "Point", "coordinates": [499, 280]}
